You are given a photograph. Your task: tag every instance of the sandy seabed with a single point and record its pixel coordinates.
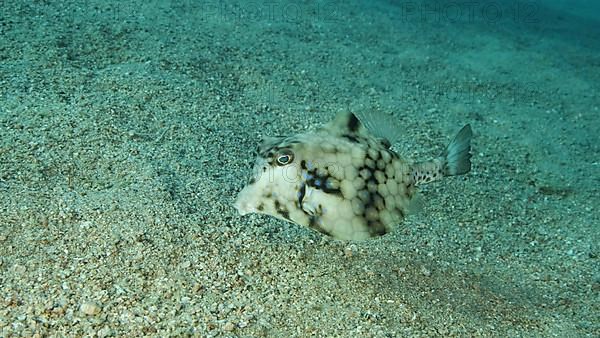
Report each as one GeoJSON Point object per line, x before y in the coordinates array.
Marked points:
{"type": "Point", "coordinates": [128, 129]}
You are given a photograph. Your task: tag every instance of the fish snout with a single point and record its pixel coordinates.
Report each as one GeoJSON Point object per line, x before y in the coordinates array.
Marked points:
{"type": "Point", "coordinates": [244, 203]}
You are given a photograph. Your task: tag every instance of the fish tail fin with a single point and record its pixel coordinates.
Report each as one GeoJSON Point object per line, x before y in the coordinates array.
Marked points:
{"type": "Point", "coordinates": [457, 156]}
{"type": "Point", "coordinates": [454, 160]}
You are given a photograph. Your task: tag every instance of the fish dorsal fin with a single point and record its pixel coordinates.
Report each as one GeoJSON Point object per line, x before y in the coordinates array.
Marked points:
{"type": "Point", "coordinates": [372, 124]}
{"type": "Point", "coordinates": [380, 125]}
{"type": "Point", "coordinates": [344, 123]}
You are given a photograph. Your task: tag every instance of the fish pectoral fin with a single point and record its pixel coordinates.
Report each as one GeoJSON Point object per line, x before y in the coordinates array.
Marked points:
{"type": "Point", "coordinates": [309, 209]}
{"type": "Point", "coordinates": [309, 203]}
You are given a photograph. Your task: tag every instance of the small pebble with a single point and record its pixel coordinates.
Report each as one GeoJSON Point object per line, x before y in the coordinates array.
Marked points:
{"type": "Point", "coordinates": [228, 326]}
{"type": "Point", "coordinates": [90, 308]}
{"type": "Point", "coordinates": [104, 332]}
{"type": "Point", "coordinates": [349, 251]}
{"type": "Point", "coordinates": [19, 269]}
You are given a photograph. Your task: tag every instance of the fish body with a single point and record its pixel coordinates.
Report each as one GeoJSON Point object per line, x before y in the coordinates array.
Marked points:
{"type": "Point", "coordinates": [343, 179]}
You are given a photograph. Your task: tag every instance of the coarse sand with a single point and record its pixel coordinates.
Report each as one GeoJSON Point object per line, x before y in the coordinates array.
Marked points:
{"type": "Point", "coordinates": [127, 129]}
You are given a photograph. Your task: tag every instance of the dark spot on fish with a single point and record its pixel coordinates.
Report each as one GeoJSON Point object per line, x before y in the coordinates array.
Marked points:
{"type": "Point", "coordinates": [353, 123]}
{"type": "Point", "coordinates": [371, 187]}
{"type": "Point", "coordinates": [303, 164]}
{"type": "Point", "coordinates": [351, 138]}
{"type": "Point", "coordinates": [301, 194]}
{"type": "Point", "coordinates": [320, 182]}
{"type": "Point", "coordinates": [376, 228]}
{"type": "Point", "coordinates": [334, 191]}
{"type": "Point", "coordinates": [281, 210]}
{"type": "Point", "coordinates": [260, 207]}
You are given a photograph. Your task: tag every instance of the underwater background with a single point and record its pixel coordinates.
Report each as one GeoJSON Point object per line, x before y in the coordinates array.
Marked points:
{"type": "Point", "coordinates": [128, 127]}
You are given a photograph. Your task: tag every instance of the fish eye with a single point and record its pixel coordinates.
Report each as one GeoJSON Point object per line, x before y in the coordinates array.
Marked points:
{"type": "Point", "coordinates": [285, 157]}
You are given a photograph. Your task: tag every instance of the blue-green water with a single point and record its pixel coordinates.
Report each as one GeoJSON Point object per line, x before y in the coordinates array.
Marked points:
{"type": "Point", "coordinates": [127, 129]}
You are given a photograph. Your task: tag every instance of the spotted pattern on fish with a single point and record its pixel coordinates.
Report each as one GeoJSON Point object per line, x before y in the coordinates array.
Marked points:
{"type": "Point", "coordinates": [342, 180]}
